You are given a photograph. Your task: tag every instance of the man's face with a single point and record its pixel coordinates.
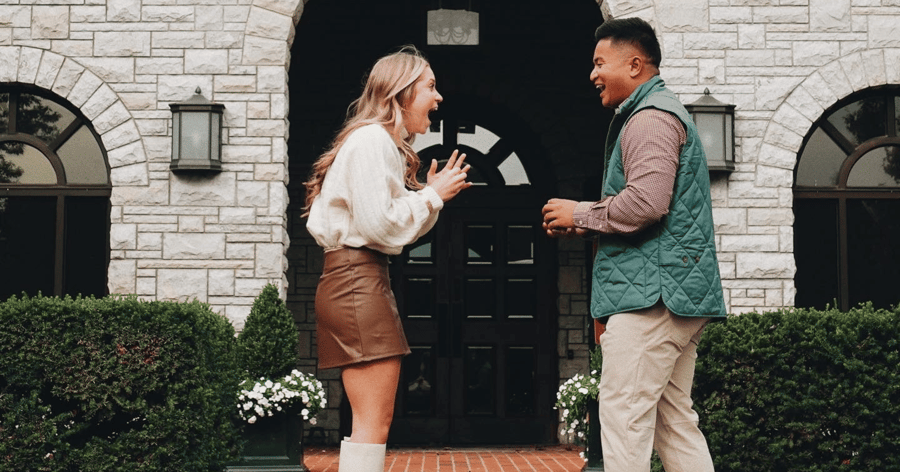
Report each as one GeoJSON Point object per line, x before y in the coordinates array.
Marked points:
{"type": "Point", "coordinates": [613, 72]}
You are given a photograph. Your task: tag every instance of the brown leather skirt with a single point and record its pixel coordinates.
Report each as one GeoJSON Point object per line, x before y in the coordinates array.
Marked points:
{"type": "Point", "coordinates": [356, 313]}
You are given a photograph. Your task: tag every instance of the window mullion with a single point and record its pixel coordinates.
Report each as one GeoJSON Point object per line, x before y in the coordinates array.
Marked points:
{"type": "Point", "coordinates": [65, 135]}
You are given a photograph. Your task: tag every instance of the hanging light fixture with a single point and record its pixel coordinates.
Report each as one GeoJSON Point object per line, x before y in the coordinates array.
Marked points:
{"type": "Point", "coordinates": [452, 27]}
{"type": "Point", "coordinates": [715, 124]}
{"type": "Point", "coordinates": [196, 135]}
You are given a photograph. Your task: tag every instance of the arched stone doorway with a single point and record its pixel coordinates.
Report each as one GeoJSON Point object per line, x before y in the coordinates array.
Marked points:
{"type": "Point", "coordinates": [531, 91]}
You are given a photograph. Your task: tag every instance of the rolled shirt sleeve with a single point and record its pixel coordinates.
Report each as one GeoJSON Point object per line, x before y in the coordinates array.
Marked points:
{"type": "Point", "coordinates": [651, 148]}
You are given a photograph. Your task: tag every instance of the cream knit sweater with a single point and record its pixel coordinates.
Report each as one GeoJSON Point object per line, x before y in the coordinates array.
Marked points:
{"type": "Point", "coordinates": [364, 202]}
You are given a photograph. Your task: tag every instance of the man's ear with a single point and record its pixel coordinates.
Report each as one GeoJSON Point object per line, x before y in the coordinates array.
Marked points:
{"type": "Point", "coordinates": [636, 66]}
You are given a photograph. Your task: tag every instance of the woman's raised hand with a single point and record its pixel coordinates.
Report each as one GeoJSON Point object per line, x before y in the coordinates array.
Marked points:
{"type": "Point", "coordinates": [451, 179]}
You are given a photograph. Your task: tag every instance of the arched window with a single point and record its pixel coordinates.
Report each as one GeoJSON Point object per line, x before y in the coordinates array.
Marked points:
{"type": "Point", "coordinates": [493, 160]}
{"type": "Point", "coordinates": [847, 204]}
{"type": "Point", "coordinates": [54, 197]}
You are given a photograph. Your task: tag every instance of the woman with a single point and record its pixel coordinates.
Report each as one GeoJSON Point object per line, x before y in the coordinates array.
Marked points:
{"type": "Point", "coordinates": [364, 203]}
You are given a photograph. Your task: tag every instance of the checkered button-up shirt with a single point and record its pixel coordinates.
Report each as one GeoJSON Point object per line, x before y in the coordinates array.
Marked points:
{"type": "Point", "coordinates": [651, 146]}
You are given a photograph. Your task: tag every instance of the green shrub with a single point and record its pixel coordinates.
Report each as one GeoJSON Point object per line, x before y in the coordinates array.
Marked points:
{"type": "Point", "coordinates": [799, 390]}
{"type": "Point", "coordinates": [115, 384]}
{"type": "Point", "coordinates": [268, 345]}
{"type": "Point", "coordinates": [802, 390]}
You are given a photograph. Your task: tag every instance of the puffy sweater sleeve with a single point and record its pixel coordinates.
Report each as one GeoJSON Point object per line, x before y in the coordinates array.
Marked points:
{"type": "Point", "coordinates": [367, 178]}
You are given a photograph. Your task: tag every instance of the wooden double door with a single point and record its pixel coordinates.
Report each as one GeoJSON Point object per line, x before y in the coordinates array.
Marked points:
{"type": "Point", "coordinates": [477, 297]}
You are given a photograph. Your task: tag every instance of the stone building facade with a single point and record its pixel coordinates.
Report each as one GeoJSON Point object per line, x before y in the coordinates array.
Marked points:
{"type": "Point", "coordinates": [221, 238]}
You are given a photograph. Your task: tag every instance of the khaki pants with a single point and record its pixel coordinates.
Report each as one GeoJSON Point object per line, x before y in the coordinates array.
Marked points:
{"type": "Point", "coordinates": [645, 392]}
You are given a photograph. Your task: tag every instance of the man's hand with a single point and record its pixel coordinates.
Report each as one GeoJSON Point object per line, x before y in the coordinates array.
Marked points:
{"type": "Point", "coordinates": [558, 221]}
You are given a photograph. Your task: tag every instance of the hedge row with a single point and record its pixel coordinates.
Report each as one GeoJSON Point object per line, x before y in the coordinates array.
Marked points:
{"type": "Point", "coordinates": [115, 384]}
{"type": "Point", "coordinates": [802, 391]}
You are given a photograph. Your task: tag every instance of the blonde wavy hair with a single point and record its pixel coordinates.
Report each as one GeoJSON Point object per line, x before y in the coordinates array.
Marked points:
{"type": "Point", "coordinates": [389, 87]}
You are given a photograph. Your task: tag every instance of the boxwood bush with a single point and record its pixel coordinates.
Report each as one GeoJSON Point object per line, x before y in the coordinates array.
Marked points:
{"type": "Point", "coordinates": [802, 390]}
{"type": "Point", "coordinates": [268, 344]}
{"type": "Point", "coordinates": [115, 384]}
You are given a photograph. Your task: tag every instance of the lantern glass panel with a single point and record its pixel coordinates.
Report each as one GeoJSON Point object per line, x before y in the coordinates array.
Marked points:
{"type": "Point", "coordinates": [712, 134]}
{"type": "Point", "coordinates": [215, 133]}
{"type": "Point", "coordinates": [729, 137]}
{"type": "Point", "coordinates": [194, 135]}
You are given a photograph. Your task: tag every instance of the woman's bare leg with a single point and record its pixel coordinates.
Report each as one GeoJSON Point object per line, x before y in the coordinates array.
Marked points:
{"type": "Point", "coordinates": [371, 388]}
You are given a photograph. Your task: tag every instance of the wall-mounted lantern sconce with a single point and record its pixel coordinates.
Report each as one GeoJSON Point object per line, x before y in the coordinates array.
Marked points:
{"type": "Point", "coordinates": [452, 27]}
{"type": "Point", "coordinates": [196, 135]}
{"type": "Point", "coordinates": [715, 123]}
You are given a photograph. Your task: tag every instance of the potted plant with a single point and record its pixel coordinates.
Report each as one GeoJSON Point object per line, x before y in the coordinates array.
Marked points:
{"type": "Point", "coordinates": [275, 398]}
{"type": "Point", "coordinates": [577, 401]}
{"type": "Point", "coordinates": [574, 399]}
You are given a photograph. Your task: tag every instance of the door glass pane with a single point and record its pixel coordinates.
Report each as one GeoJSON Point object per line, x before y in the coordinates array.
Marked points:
{"type": "Point", "coordinates": [513, 172]}
{"type": "Point", "coordinates": [820, 162]}
{"type": "Point", "coordinates": [479, 138]}
{"type": "Point", "coordinates": [87, 219]}
{"type": "Point", "coordinates": [421, 251]}
{"type": "Point", "coordinates": [873, 230]}
{"type": "Point", "coordinates": [520, 244]}
{"type": "Point", "coordinates": [480, 298]}
{"type": "Point", "coordinates": [24, 164]}
{"type": "Point", "coordinates": [861, 120]}
{"type": "Point", "coordinates": [419, 381]}
{"type": "Point", "coordinates": [520, 298]}
{"type": "Point", "coordinates": [83, 159]}
{"type": "Point", "coordinates": [27, 245]}
{"type": "Point", "coordinates": [479, 244]}
{"type": "Point", "coordinates": [418, 297]}
{"type": "Point", "coordinates": [520, 381]}
{"type": "Point", "coordinates": [879, 167]}
{"type": "Point", "coordinates": [816, 251]}
{"type": "Point", "coordinates": [41, 117]}
{"type": "Point", "coordinates": [479, 373]}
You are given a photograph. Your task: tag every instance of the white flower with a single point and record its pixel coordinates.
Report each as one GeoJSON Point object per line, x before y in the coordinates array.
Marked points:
{"type": "Point", "coordinates": [267, 397]}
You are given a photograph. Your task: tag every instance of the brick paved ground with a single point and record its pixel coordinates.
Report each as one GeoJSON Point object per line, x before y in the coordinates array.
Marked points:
{"type": "Point", "coordinates": [500, 459]}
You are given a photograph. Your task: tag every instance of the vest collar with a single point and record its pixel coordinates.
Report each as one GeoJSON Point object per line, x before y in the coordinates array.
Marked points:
{"type": "Point", "coordinates": [646, 88]}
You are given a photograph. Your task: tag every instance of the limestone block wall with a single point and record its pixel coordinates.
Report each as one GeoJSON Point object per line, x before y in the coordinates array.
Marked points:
{"type": "Point", "coordinates": [783, 63]}
{"type": "Point", "coordinates": [219, 238]}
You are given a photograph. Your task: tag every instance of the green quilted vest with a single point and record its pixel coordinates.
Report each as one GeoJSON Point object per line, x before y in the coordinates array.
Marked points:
{"type": "Point", "coordinates": [675, 258]}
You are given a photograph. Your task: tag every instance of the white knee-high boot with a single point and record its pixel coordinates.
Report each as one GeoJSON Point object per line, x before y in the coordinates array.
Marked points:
{"type": "Point", "coordinates": [361, 457]}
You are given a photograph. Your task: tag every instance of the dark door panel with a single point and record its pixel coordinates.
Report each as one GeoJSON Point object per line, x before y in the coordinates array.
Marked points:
{"type": "Point", "coordinates": [480, 323]}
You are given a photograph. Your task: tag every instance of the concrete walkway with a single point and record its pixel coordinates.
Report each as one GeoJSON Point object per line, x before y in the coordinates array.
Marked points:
{"type": "Point", "coordinates": [498, 459]}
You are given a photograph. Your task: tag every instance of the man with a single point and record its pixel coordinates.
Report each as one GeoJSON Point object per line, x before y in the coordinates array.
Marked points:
{"type": "Point", "coordinates": [655, 278]}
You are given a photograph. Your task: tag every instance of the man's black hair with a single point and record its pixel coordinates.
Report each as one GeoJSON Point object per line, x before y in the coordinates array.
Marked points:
{"type": "Point", "coordinates": [633, 31]}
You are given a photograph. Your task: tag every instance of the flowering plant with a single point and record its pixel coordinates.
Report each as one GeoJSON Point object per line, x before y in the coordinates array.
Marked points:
{"type": "Point", "coordinates": [572, 399]}
{"type": "Point", "coordinates": [265, 397]}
